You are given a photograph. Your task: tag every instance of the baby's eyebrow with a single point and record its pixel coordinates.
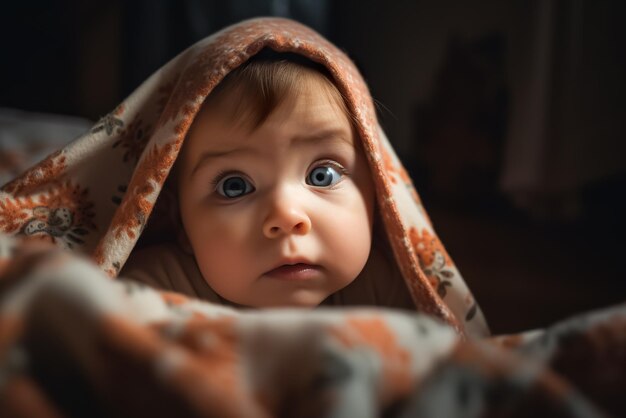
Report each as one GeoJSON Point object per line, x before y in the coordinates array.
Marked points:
{"type": "Point", "coordinates": [322, 135]}
{"type": "Point", "coordinates": [208, 155]}
{"type": "Point", "coordinates": [325, 134]}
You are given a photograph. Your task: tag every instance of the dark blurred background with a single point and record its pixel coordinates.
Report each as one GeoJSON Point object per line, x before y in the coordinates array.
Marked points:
{"type": "Point", "coordinates": [510, 116]}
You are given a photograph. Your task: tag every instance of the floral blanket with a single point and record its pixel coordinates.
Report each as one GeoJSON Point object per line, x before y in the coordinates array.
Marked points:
{"type": "Point", "coordinates": [75, 343]}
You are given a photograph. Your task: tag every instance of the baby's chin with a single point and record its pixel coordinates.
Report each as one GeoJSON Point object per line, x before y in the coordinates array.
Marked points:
{"type": "Point", "coordinates": [296, 304]}
{"type": "Point", "coordinates": [302, 301]}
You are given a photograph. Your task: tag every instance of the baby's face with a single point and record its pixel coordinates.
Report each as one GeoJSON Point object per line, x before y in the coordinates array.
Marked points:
{"type": "Point", "coordinates": [281, 215]}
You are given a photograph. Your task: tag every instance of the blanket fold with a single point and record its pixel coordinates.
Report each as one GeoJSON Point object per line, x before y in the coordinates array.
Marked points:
{"type": "Point", "coordinates": [75, 343]}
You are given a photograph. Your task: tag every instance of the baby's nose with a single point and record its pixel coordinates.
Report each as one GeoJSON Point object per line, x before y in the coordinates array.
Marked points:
{"type": "Point", "coordinates": [286, 216]}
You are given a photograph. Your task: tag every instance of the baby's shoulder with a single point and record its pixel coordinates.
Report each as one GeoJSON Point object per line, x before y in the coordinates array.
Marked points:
{"type": "Point", "coordinates": [164, 250]}
{"type": "Point", "coordinates": [168, 267]}
{"type": "Point", "coordinates": [155, 265]}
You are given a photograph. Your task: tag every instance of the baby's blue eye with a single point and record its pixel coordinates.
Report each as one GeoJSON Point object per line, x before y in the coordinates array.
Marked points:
{"type": "Point", "coordinates": [323, 176]}
{"type": "Point", "coordinates": [233, 187]}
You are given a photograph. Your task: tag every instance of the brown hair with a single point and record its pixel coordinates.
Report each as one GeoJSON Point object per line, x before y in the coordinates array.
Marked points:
{"type": "Point", "coordinates": [254, 90]}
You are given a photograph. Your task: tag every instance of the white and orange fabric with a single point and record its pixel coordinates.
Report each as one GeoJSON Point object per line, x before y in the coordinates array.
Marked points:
{"type": "Point", "coordinates": [73, 342]}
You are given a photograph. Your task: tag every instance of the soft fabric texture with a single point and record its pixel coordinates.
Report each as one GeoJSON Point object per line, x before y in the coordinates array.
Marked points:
{"type": "Point", "coordinates": [97, 194]}
{"type": "Point", "coordinates": [75, 343]}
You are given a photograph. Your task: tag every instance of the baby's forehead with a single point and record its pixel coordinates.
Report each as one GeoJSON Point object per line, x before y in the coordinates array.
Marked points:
{"type": "Point", "coordinates": [299, 130]}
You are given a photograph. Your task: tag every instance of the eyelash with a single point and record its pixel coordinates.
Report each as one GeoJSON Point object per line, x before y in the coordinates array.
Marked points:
{"type": "Point", "coordinates": [220, 176]}
{"type": "Point", "coordinates": [334, 164]}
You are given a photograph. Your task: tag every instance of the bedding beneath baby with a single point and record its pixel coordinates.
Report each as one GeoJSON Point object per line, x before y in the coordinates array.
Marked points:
{"type": "Point", "coordinates": [75, 343]}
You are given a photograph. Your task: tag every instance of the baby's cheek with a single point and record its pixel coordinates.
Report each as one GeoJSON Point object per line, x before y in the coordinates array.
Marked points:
{"type": "Point", "coordinates": [350, 234]}
{"type": "Point", "coordinates": [219, 266]}
{"type": "Point", "coordinates": [223, 250]}
{"type": "Point", "coordinates": [224, 246]}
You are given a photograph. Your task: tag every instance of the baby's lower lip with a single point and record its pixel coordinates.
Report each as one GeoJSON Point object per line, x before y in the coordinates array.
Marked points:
{"type": "Point", "coordinates": [298, 271]}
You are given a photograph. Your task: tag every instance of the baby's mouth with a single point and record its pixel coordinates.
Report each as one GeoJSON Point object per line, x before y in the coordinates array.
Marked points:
{"type": "Point", "coordinates": [294, 272]}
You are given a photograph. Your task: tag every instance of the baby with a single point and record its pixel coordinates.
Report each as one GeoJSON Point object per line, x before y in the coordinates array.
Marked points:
{"type": "Point", "coordinates": [274, 195]}
{"type": "Point", "coordinates": [249, 171]}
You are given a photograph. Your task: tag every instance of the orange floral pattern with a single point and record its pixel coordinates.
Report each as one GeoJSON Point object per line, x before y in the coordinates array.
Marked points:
{"type": "Point", "coordinates": [375, 334]}
{"type": "Point", "coordinates": [216, 341]}
{"type": "Point", "coordinates": [434, 259]}
{"type": "Point", "coordinates": [149, 174]}
{"type": "Point", "coordinates": [14, 213]}
{"type": "Point", "coordinates": [197, 80]}
{"type": "Point", "coordinates": [63, 213]}
{"type": "Point", "coordinates": [133, 138]}
{"type": "Point", "coordinates": [49, 168]}
{"type": "Point", "coordinates": [164, 92]}
{"type": "Point", "coordinates": [389, 165]}
{"type": "Point", "coordinates": [428, 247]}
{"type": "Point", "coordinates": [395, 171]}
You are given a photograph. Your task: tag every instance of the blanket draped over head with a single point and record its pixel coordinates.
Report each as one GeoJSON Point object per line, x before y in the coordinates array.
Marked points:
{"type": "Point", "coordinates": [68, 332]}
{"type": "Point", "coordinates": [98, 193]}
